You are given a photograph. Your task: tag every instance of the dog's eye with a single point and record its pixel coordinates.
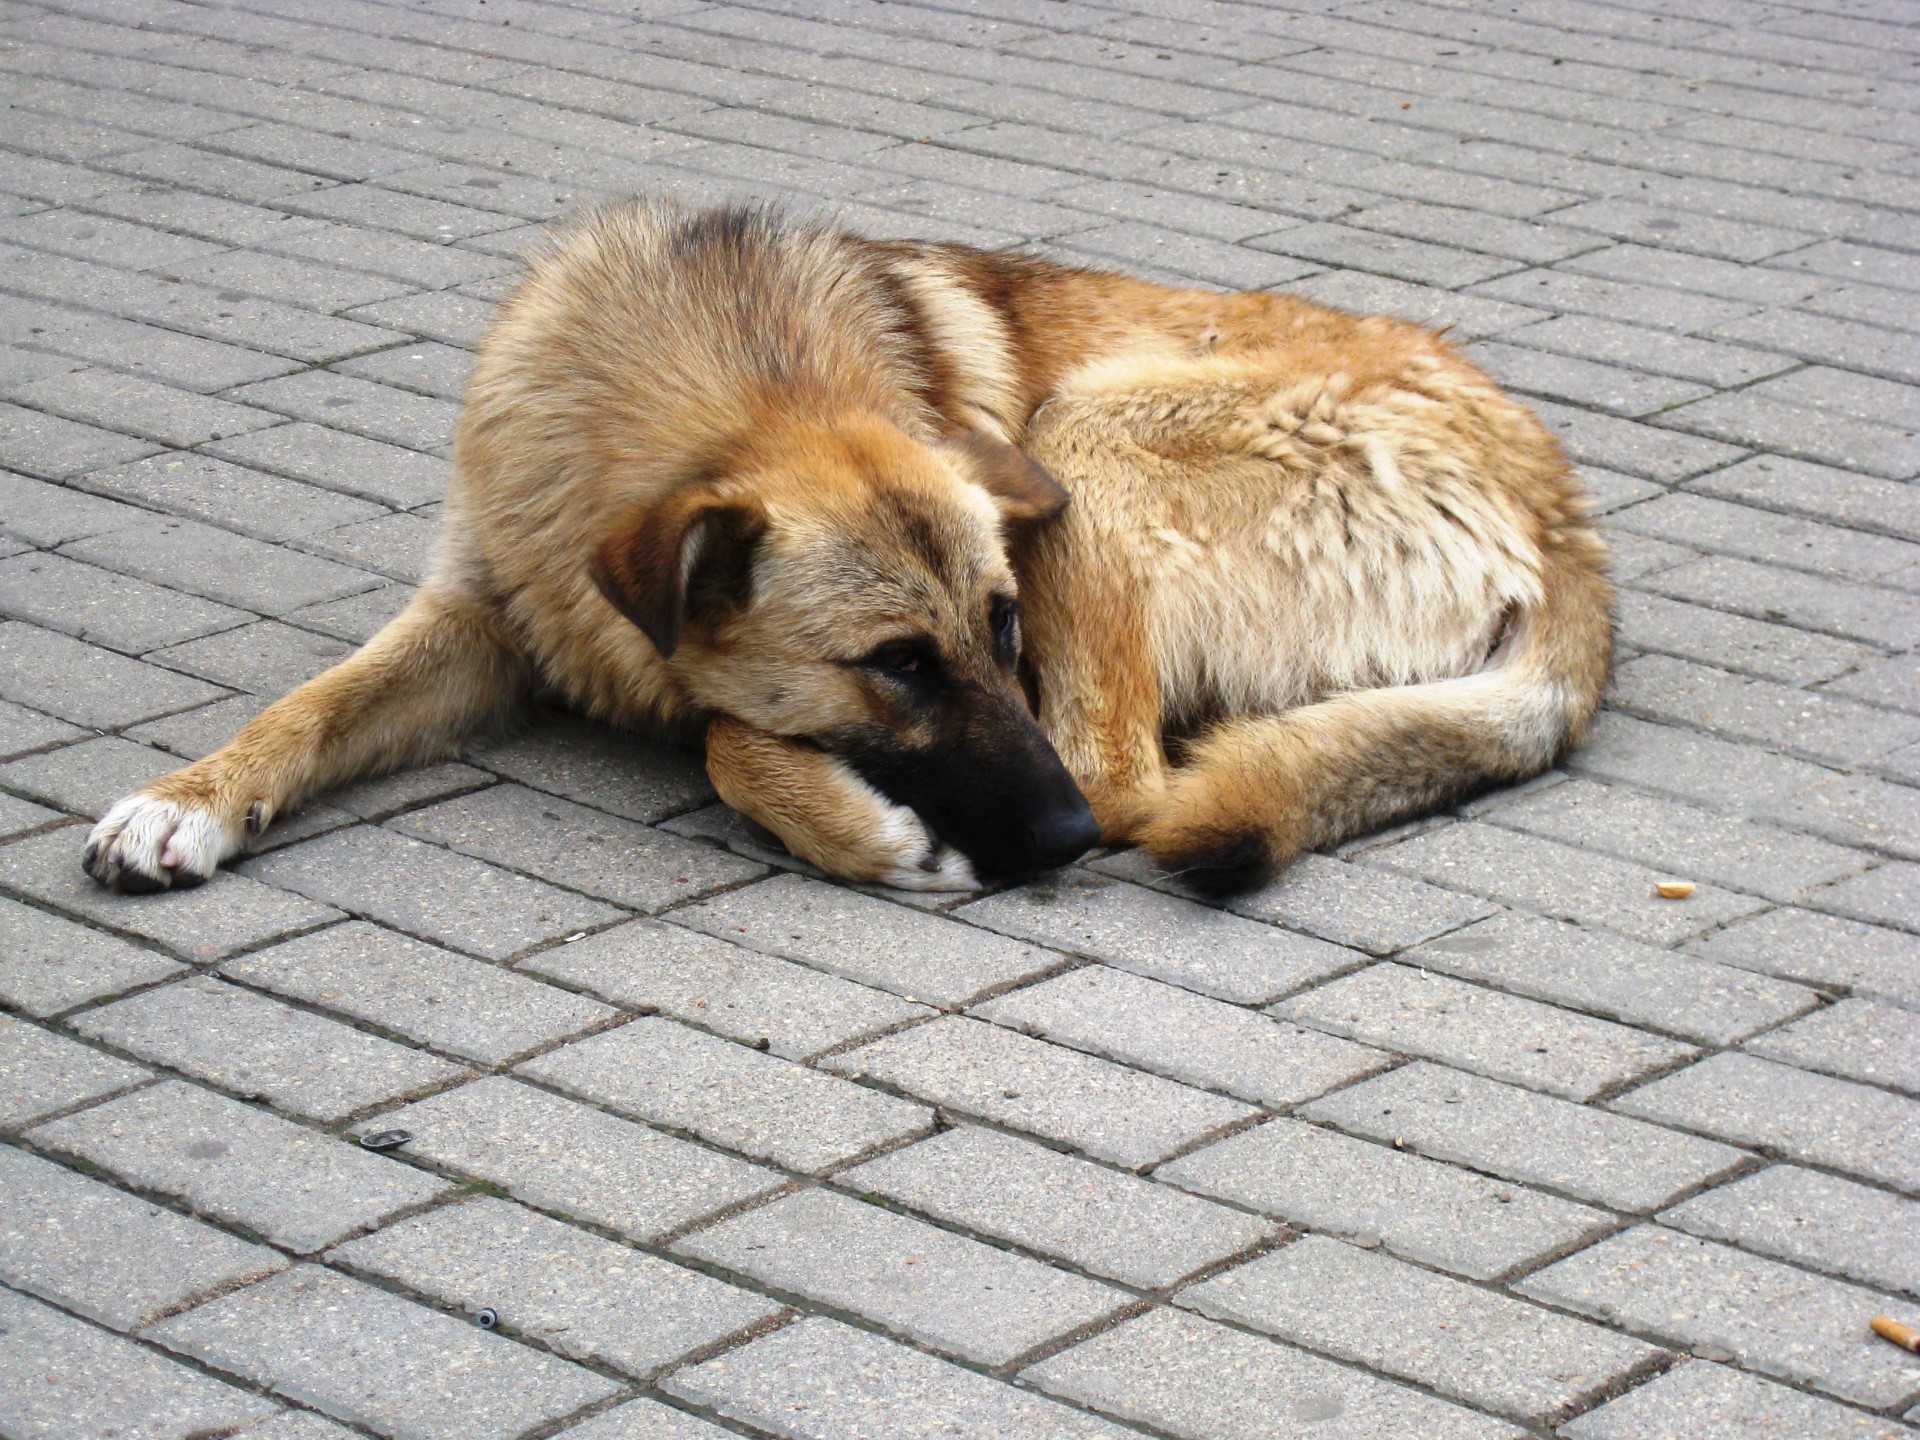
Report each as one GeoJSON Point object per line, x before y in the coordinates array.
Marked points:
{"type": "Point", "coordinates": [903, 660]}
{"type": "Point", "coordinates": [1005, 618]}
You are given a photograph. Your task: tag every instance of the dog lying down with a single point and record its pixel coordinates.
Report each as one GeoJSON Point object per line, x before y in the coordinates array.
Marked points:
{"type": "Point", "coordinates": [960, 562]}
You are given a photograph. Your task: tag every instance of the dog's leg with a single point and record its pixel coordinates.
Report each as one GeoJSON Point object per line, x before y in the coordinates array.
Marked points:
{"type": "Point", "coordinates": [437, 671]}
{"type": "Point", "coordinates": [1099, 688]}
{"type": "Point", "coordinates": [825, 813]}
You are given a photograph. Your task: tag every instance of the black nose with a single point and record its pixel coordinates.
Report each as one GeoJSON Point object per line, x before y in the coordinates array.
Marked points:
{"type": "Point", "coordinates": [1063, 835]}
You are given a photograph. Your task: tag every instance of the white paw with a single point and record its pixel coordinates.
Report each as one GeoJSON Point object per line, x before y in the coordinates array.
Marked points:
{"type": "Point", "coordinates": [920, 861]}
{"type": "Point", "coordinates": [144, 844]}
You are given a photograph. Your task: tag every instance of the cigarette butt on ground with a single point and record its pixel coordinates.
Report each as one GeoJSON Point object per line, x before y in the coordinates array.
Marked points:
{"type": "Point", "coordinates": [1673, 889]}
{"type": "Point", "coordinates": [1905, 1336]}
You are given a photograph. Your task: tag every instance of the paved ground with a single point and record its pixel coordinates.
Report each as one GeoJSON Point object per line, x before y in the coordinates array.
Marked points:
{"type": "Point", "coordinates": [1458, 1133]}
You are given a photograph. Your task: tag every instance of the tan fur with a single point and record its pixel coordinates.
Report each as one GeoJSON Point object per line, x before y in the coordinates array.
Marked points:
{"type": "Point", "coordinates": [1317, 573]}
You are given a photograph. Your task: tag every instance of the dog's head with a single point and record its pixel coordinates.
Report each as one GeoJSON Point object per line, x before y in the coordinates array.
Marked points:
{"type": "Point", "coordinates": [849, 585]}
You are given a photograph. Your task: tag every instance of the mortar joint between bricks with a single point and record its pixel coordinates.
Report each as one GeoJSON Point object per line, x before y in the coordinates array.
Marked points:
{"type": "Point", "coordinates": [153, 1347]}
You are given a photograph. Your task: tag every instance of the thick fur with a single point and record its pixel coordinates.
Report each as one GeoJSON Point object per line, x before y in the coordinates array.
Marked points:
{"type": "Point", "coordinates": [756, 482]}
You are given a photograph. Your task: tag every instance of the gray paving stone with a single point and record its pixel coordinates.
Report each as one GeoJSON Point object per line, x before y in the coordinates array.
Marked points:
{"type": "Point", "coordinates": [137, 406]}
{"type": "Point", "coordinates": [1842, 393]}
{"type": "Point", "coordinates": [201, 560]}
{"type": "Point", "coordinates": [586, 850]}
{"type": "Point", "coordinates": [668, 1074]}
{"type": "Point", "coordinates": [338, 461]}
{"type": "Point", "coordinates": [284, 1182]}
{"type": "Point", "coordinates": [21, 817]}
{"type": "Point", "coordinates": [1105, 1110]}
{"type": "Point", "coordinates": [230, 914]}
{"type": "Point", "coordinates": [430, 892]}
{"type": "Point", "coordinates": [561, 1155]}
{"type": "Point", "coordinates": [741, 994]}
{"type": "Point", "coordinates": [1858, 810]}
{"type": "Point", "coordinates": [1638, 984]}
{"type": "Point", "coordinates": [588, 1298]}
{"type": "Point", "coordinates": [48, 964]}
{"type": "Point", "coordinates": [1894, 682]}
{"type": "Point", "coordinates": [42, 1073]}
{"type": "Point", "coordinates": [1373, 1194]}
{"type": "Point", "coordinates": [87, 778]}
{"type": "Point", "coordinates": [1186, 1037]}
{"type": "Point", "coordinates": [1824, 950]}
{"type": "Point", "coordinates": [442, 315]}
{"type": "Point", "coordinates": [54, 449]}
{"type": "Point", "coordinates": [108, 609]}
{"type": "Point", "coordinates": [1584, 1152]}
{"type": "Point", "coordinates": [1562, 290]}
{"type": "Point", "coordinates": [1855, 1039]}
{"type": "Point", "coordinates": [1731, 642]}
{"type": "Point", "coordinates": [1489, 1350]}
{"type": "Point", "coordinates": [260, 1048]}
{"type": "Point", "coordinates": [1902, 765]}
{"type": "Point", "coordinates": [194, 734]}
{"type": "Point", "coordinates": [1698, 767]}
{"type": "Point", "coordinates": [1751, 417]}
{"type": "Point", "coordinates": [1819, 1221]}
{"type": "Point", "coordinates": [862, 938]}
{"type": "Point", "coordinates": [1676, 230]}
{"type": "Point", "coordinates": [1471, 229]}
{"type": "Point", "coordinates": [93, 237]}
{"type": "Point", "coordinates": [187, 362]}
{"type": "Point", "coordinates": [645, 1420]}
{"type": "Point", "coordinates": [1790, 1113]}
{"type": "Point", "coordinates": [1592, 337]}
{"type": "Point", "coordinates": [400, 546]}
{"type": "Point", "coordinates": [1582, 382]}
{"type": "Point", "coordinates": [1501, 1036]}
{"type": "Point", "coordinates": [108, 1255]}
{"type": "Point", "coordinates": [374, 1359]}
{"type": "Point", "coordinates": [1417, 260]}
{"type": "Point", "coordinates": [358, 617]}
{"type": "Point", "coordinates": [1472, 316]}
{"type": "Point", "coordinates": [86, 684]}
{"type": "Point", "coordinates": [1609, 490]}
{"type": "Point", "coordinates": [1166, 1369]}
{"type": "Point", "coordinates": [1631, 446]}
{"type": "Point", "coordinates": [325, 288]}
{"type": "Point", "coordinates": [62, 1377]}
{"type": "Point", "coordinates": [624, 775]}
{"type": "Point", "coordinates": [1819, 492]}
{"type": "Point", "coordinates": [23, 730]}
{"type": "Point", "coordinates": [1878, 616]}
{"type": "Point", "coordinates": [1162, 936]}
{"type": "Point", "coordinates": [821, 1379]}
{"type": "Point", "coordinates": [264, 658]}
{"type": "Point", "coordinates": [1096, 1219]}
{"type": "Point", "coordinates": [958, 1295]}
{"type": "Point", "coordinates": [1353, 905]}
{"type": "Point", "coordinates": [1558, 880]}
{"type": "Point", "coordinates": [1770, 1317]}
{"type": "Point", "coordinates": [1632, 556]}
{"type": "Point", "coordinates": [1712, 1402]}
{"type": "Point", "coordinates": [427, 994]}
{"type": "Point", "coordinates": [1889, 895]}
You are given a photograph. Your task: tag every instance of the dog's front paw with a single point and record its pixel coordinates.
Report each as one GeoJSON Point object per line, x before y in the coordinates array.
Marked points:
{"type": "Point", "coordinates": [911, 857]}
{"type": "Point", "coordinates": [146, 843]}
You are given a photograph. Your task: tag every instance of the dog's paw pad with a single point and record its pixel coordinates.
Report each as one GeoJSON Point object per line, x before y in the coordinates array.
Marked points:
{"type": "Point", "coordinates": [144, 844]}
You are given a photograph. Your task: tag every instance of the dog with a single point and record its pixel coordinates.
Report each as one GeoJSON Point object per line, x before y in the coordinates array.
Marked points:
{"type": "Point", "coordinates": [961, 562]}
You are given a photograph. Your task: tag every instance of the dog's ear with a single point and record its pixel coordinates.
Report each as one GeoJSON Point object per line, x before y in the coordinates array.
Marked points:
{"type": "Point", "coordinates": [1025, 493]}
{"type": "Point", "coordinates": [687, 553]}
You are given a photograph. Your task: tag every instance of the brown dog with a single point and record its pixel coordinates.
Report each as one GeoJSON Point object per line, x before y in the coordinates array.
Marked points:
{"type": "Point", "coordinates": [767, 484]}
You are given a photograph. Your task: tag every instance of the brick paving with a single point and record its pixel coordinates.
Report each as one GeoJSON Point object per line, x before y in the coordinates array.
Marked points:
{"type": "Point", "coordinates": [1457, 1132]}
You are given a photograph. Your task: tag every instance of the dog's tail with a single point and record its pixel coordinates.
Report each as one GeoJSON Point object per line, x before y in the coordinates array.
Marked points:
{"type": "Point", "coordinates": [1256, 791]}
